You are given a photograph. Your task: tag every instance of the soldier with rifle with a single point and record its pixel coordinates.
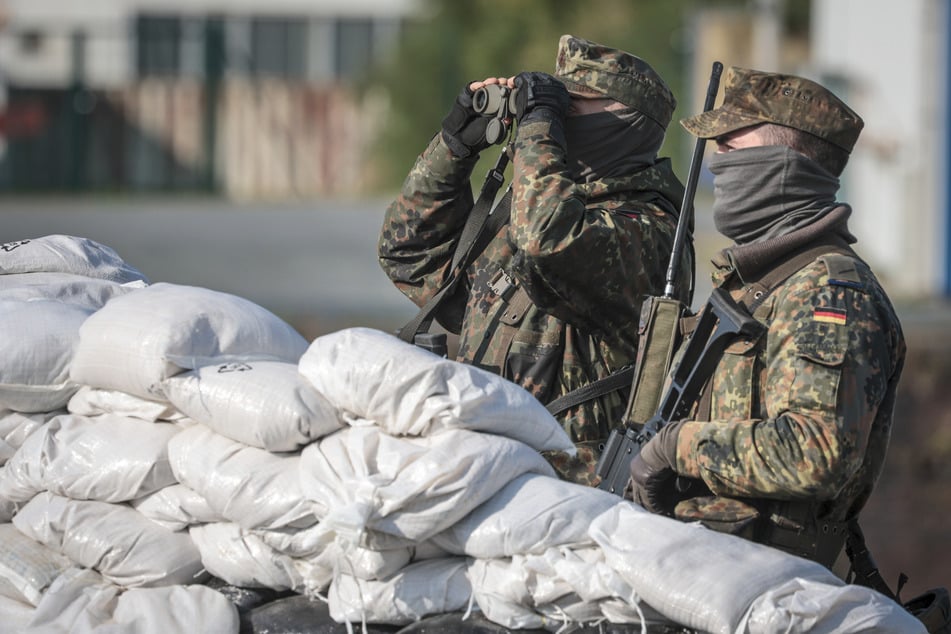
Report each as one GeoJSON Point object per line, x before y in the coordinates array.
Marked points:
{"type": "Point", "coordinates": [545, 289]}
{"type": "Point", "coordinates": [777, 412]}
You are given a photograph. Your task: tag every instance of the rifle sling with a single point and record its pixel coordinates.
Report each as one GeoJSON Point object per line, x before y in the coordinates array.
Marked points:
{"type": "Point", "coordinates": [481, 226]}
{"type": "Point", "coordinates": [615, 381]}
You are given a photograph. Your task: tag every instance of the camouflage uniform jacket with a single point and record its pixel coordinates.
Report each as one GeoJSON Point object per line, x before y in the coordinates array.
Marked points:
{"type": "Point", "coordinates": [586, 254]}
{"type": "Point", "coordinates": [799, 419]}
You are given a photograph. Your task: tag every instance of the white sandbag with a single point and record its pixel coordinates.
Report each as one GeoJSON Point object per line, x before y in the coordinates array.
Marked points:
{"type": "Point", "coordinates": [15, 615]}
{"type": "Point", "coordinates": [560, 587]}
{"type": "Point", "coordinates": [82, 602]}
{"type": "Point", "coordinates": [318, 546]}
{"type": "Point", "coordinates": [531, 514]}
{"type": "Point", "coordinates": [265, 404]}
{"type": "Point", "coordinates": [240, 558]}
{"type": "Point", "coordinates": [114, 539]}
{"type": "Point", "coordinates": [176, 507]}
{"type": "Point", "coordinates": [406, 390]}
{"type": "Point", "coordinates": [361, 479]}
{"type": "Point", "coordinates": [66, 254]}
{"type": "Point", "coordinates": [138, 340]}
{"type": "Point", "coordinates": [361, 563]}
{"type": "Point", "coordinates": [107, 458]}
{"type": "Point", "coordinates": [16, 427]}
{"type": "Point", "coordinates": [63, 287]}
{"type": "Point", "coordinates": [27, 567]}
{"type": "Point", "coordinates": [38, 342]}
{"type": "Point", "coordinates": [91, 401]}
{"type": "Point", "coordinates": [318, 556]}
{"type": "Point", "coordinates": [246, 485]}
{"type": "Point", "coordinates": [420, 589]}
{"type": "Point", "coordinates": [694, 576]}
{"type": "Point", "coordinates": [803, 605]}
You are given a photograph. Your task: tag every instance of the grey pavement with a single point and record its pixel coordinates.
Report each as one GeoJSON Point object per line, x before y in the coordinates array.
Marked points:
{"type": "Point", "coordinates": [302, 260]}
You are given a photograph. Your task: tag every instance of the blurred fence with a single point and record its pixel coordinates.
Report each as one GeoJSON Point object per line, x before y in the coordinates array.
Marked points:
{"type": "Point", "coordinates": [254, 138]}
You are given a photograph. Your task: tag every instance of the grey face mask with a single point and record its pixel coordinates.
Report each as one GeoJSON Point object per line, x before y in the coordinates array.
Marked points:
{"type": "Point", "coordinates": [768, 191]}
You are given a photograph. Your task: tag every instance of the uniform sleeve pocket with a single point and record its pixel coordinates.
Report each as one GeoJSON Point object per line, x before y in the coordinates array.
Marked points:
{"type": "Point", "coordinates": [822, 342]}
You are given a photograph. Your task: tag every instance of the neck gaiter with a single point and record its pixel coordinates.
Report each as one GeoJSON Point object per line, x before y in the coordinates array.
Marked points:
{"type": "Point", "coordinates": [607, 144]}
{"type": "Point", "coordinates": [765, 192]}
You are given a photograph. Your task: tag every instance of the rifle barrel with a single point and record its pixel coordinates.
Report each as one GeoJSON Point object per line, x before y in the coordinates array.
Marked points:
{"type": "Point", "coordinates": [691, 187]}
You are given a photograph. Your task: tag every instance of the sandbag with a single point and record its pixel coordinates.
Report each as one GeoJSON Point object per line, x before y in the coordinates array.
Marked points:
{"type": "Point", "coordinates": [176, 507]}
{"type": "Point", "coordinates": [264, 404]}
{"type": "Point", "coordinates": [16, 427]}
{"type": "Point", "coordinates": [66, 254]}
{"type": "Point", "coordinates": [804, 605]}
{"type": "Point", "coordinates": [138, 340]}
{"type": "Point", "coordinates": [237, 556]}
{"type": "Point", "coordinates": [114, 539]}
{"type": "Point", "coordinates": [405, 390]}
{"type": "Point", "coordinates": [530, 514]}
{"type": "Point", "coordinates": [559, 588]}
{"type": "Point", "coordinates": [362, 480]}
{"type": "Point", "coordinates": [82, 602]}
{"type": "Point", "coordinates": [246, 485]}
{"type": "Point", "coordinates": [418, 590]}
{"type": "Point", "coordinates": [90, 401]}
{"type": "Point", "coordinates": [63, 287]}
{"type": "Point", "coordinates": [15, 615]}
{"type": "Point", "coordinates": [107, 458]}
{"type": "Point", "coordinates": [692, 575]}
{"type": "Point", "coordinates": [317, 553]}
{"type": "Point", "coordinates": [38, 342]}
{"type": "Point", "coordinates": [27, 568]}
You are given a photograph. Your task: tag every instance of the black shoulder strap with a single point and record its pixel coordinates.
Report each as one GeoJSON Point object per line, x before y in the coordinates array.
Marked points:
{"type": "Point", "coordinates": [482, 224]}
{"type": "Point", "coordinates": [864, 570]}
{"type": "Point", "coordinates": [771, 280]}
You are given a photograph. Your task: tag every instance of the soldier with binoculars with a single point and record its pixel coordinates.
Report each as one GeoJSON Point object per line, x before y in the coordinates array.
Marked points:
{"type": "Point", "coordinates": [550, 300]}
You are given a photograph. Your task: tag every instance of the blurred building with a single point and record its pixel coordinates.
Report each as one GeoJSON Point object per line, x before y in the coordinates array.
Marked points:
{"type": "Point", "coordinates": [890, 62]}
{"type": "Point", "coordinates": [251, 99]}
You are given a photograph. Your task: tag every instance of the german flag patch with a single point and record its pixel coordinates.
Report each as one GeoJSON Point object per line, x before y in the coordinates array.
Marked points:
{"type": "Point", "coordinates": [829, 315]}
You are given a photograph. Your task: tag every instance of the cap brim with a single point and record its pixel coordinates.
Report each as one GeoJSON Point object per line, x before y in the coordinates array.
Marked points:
{"type": "Point", "coordinates": [580, 90]}
{"type": "Point", "coordinates": [717, 122]}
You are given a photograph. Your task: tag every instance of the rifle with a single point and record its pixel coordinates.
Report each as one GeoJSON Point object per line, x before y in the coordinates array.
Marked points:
{"type": "Point", "coordinates": [720, 322]}
{"type": "Point", "coordinates": [659, 335]}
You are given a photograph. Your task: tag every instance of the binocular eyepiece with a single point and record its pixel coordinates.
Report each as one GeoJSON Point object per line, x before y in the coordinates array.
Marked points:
{"type": "Point", "coordinates": [498, 102]}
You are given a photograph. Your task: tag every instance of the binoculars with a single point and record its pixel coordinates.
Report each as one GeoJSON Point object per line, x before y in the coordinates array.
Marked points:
{"type": "Point", "coordinates": [498, 102]}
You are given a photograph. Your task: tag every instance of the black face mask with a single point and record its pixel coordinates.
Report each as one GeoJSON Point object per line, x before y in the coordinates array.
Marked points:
{"type": "Point", "coordinates": [608, 144]}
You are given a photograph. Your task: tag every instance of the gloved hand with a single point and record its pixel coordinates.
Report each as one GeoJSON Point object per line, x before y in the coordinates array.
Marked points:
{"type": "Point", "coordinates": [653, 472]}
{"type": "Point", "coordinates": [463, 129]}
{"type": "Point", "coordinates": [540, 97]}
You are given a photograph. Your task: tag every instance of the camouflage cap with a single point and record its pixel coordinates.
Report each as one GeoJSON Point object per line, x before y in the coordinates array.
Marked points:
{"type": "Point", "coordinates": [592, 70]}
{"type": "Point", "coordinates": [751, 97]}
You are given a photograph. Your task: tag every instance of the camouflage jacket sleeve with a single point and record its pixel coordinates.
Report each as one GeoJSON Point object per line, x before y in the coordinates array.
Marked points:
{"type": "Point", "coordinates": [794, 417]}
{"type": "Point", "coordinates": [421, 227]}
{"type": "Point", "coordinates": [578, 260]}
